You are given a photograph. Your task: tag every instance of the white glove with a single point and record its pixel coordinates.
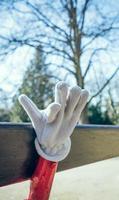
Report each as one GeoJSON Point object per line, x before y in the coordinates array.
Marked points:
{"type": "Point", "coordinates": [55, 124]}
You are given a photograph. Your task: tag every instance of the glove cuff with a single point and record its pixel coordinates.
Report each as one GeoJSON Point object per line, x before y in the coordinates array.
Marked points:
{"type": "Point", "coordinates": [55, 154]}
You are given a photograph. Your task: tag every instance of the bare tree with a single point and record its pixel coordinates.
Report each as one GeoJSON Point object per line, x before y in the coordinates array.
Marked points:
{"type": "Point", "coordinates": [74, 35]}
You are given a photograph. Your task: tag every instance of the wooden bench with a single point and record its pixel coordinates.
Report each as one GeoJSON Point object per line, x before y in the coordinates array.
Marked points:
{"type": "Point", "coordinates": [18, 157]}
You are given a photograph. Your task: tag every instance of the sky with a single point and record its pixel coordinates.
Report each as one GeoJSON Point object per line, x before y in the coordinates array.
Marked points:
{"type": "Point", "coordinates": [13, 68]}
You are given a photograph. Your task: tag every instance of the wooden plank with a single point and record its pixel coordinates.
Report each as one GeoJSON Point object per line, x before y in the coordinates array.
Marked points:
{"type": "Point", "coordinates": [18, 156]}
{"type": "Point", "coordinates": [90, 144]}
{"type": "Point", "coordinates": [17, 152]}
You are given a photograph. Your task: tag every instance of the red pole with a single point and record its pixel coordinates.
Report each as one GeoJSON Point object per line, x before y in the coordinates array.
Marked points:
{"type": "Point", "coordinates": [42, 179]}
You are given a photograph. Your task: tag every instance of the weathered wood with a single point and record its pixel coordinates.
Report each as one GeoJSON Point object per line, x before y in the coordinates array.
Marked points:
{"type": "Point", "coordinates": [18, 156]}
{"type": "Point", "coordinates": [90, 144]}
{"type": "Point", "coordinates": [17, 152]}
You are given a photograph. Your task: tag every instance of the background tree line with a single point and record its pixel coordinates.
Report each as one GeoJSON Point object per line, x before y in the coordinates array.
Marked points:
{"type": "Point", "coordinates": [71, 41]}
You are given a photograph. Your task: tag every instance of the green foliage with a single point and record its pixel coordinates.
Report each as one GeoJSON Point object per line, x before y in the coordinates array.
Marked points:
{"type": "Point", "coordinates": [36, 85]}
{"type": "Point", "coordinates": [97, 116]}
{"type": "Point", "coordinates": [4, 115]}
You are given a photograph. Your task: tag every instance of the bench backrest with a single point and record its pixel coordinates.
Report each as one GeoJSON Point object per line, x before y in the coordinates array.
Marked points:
{"type": "Point", "coordinates": [18, 157]}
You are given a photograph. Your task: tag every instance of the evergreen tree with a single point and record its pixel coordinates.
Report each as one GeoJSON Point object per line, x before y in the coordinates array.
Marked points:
{"type": "Point", "coordinates": [36, 85]}
{"type": "Point", "coordinates": [4, 115]}
{"type": "Point", "coordinates": [97, 116]}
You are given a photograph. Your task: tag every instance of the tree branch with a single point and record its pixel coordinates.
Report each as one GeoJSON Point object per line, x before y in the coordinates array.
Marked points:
{"type": "Point", "coordinates": [103, 87]}
{"type": "Point", "coordinates": [83, 14]}
{"type": "Point", "coordinates": [90, 60]}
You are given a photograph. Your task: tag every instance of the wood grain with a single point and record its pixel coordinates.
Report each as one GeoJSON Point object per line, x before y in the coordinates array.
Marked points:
{"type": "Point", "coordinates": [91, 144]}
{"type": "Point", "coordinates": [18, 157]}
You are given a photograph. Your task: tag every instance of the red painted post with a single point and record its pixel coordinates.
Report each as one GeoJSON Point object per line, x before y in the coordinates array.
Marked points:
{"type": "Point", "coordinates": [42, 179]}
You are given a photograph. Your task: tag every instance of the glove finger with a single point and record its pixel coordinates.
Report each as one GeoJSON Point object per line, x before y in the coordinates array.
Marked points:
{"type": "Point", "coordinates": [73, 99]}
{"type": "Point", "coordinates": [61, 91]}
{"type": "Point", "coordinates": [52, 111]}
{"type": "Point", "coordinates": [30, 108]}
{"type": "Point", "coordinates": [80, 106]}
